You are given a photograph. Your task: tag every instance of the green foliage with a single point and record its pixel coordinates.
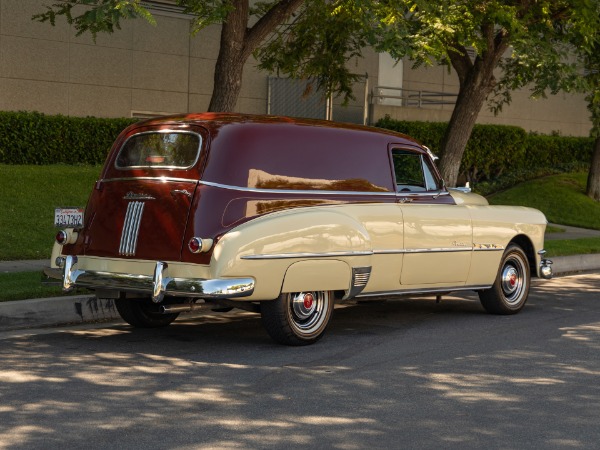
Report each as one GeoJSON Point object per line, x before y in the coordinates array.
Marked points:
{"type": "Point", "coordinates": [317, 45]}
{"type": "Point", "coordinates": [35, 138]}
{"type": "Point", "coordinates": [499, 156]}
{"type": "Point", "coordinates": [560, 197]}
{"type": "Point", "coordinates": [101, 16]}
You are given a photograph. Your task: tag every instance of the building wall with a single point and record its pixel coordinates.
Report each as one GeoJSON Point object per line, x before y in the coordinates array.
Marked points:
{"type": "Point", "coordinates": [145, 70]}
{"type": "Point", "coordinates": [565, 113]}
{"type": "Point", "coordinates": [138, 69]}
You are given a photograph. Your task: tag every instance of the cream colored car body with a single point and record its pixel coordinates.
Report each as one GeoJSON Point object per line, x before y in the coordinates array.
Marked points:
{"type": "Point", "coordinates": [408, 248]}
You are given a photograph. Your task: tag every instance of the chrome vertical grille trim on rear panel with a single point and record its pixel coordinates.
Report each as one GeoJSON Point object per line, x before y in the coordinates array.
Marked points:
{"type": "Point", "coordinates": [131, 228]}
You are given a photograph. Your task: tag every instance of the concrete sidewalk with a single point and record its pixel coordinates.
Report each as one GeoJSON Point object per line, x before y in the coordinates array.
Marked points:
{"type": "Point", "coordinates": [571, 233]}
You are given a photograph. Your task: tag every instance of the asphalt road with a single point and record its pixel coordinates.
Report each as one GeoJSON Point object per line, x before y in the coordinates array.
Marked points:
{"type": "Point", "coordinates": [405, 374]}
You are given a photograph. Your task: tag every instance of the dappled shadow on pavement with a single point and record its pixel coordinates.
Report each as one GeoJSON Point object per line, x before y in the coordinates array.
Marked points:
{"type": "Point", "coordinates": [411, 373]}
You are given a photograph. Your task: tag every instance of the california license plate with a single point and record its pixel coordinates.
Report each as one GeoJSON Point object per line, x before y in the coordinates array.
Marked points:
{"type": "Point", "coordinates": [68, 217]}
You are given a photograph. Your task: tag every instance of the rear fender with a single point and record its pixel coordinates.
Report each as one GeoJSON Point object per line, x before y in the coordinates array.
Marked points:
{"type": "Point", "coordinates": [324, 240]}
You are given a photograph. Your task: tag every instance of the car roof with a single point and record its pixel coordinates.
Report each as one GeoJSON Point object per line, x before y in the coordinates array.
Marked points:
{"type": "Point", "coordinates": [216, 121]}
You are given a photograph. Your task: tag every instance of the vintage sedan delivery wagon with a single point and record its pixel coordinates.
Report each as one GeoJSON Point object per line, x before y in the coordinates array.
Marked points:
{"type": "Point", "coordinates": [285, 217]}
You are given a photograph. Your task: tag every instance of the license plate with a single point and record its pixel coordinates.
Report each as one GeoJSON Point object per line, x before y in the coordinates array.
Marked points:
{"type": "Point", "coordinates": [68, 217]}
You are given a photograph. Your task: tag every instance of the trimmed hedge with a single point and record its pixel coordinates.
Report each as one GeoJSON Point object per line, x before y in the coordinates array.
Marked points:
{"type": "Point", "coordinates": [37, 139]}
{"type": "Point", "coordinates": [495, 151]}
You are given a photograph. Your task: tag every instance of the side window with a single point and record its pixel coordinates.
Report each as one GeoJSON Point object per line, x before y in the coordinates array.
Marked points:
{"type": "Point", "coordinates": [432, 183]}
{"type": "Point", "coordinates": [408, 168]}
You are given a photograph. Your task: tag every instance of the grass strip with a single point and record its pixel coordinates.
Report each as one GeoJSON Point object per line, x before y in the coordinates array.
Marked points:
{"type": "Point", "coordinates": [28, 197]}
{"type": "Point", "coordinates": [26, 285]}
{"type": "Point", "coordinates": [567, 247]}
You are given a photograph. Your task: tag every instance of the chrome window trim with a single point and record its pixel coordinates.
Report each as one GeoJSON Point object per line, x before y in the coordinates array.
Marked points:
{"type": "Point", "coordinates": [163, 179]}
{"type": "Point", "coordinates": [163, 131]}
{"type": "Point", "coordinates": [295, 191]}
{"type": "Point", "coordinates": [316, 191]}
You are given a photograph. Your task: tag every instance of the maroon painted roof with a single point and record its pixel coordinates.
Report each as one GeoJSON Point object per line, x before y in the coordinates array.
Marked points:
{"type": "Point", "coordinates": [214, 121]}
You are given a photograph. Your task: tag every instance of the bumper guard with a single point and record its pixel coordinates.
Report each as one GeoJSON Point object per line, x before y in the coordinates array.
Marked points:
{"type": "Point", "coordinates": [157, 285]}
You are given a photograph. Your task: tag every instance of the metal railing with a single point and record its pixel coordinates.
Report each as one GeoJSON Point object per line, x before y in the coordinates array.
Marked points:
{"type": "Point", "coordinates": [411, 98]}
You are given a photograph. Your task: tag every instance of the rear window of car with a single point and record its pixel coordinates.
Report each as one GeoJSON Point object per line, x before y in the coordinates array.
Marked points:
{"type": "Point", "coordinates": [164, 149]}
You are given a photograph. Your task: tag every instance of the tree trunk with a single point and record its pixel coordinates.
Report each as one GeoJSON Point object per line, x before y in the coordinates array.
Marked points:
{"type": "Point", "coordinates": [593, 181]}
{"type": "Point", "coordinates": [237, 44]}
{"type": "Point", "coordinates": [230, 62]}
{"type": "Point", "coordinates": [476, 82]}
{"type": "Point", "coordinates": [471, 98]}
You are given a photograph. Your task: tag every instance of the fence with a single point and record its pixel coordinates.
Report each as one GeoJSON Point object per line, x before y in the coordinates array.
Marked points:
{"type": "Point", "coordinates": [300, 98]}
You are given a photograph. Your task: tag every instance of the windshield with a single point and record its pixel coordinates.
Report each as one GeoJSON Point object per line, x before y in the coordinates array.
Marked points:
{"type": "Point", "coordinates": [160, 149]}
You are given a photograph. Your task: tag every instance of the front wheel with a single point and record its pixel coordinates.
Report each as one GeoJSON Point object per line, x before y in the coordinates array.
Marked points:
{"type": "Point", "coordinates": [298, 318]}
{"type": "Point", "coordinates": [143, 313]}
{"type": "Point", "coordinates": [511, 287]}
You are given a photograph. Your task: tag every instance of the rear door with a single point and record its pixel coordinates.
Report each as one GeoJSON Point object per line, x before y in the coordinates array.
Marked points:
{"type": "Point", "coordinates": [140, 208]}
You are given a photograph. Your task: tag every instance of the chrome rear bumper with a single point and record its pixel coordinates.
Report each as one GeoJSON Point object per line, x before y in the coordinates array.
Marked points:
{"type": "Point", "coordinates": [157, 286]}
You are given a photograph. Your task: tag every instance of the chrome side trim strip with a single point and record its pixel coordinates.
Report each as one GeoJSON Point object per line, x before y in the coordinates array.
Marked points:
{"type": "Point", "coordinates": [161, 179]}
{"type": "Point", "coordinates": [306, 255]}
{"type": "Point", "coordinates": [422, 250]}
{"type": "Point", "coordinates": [293, 191]}
{"type": "Point", "coordinates": [425, 291]}
{"type": "Point", "coordinates": [367, 253]}
{"type": "Point", "coordinates": [438, 250]}
{"type": "Point", "coordinates": [497, 249]}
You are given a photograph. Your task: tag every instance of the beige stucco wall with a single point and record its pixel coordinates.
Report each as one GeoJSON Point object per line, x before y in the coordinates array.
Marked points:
{"type": "Point", "coordinates": [138, 69]}
{"type": "Point", "coordinates": [144, 69]}
{"type": "Point", "coordinates": [565, 113]}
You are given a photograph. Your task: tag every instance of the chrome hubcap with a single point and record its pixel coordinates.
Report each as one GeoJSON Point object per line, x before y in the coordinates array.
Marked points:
{"type": "Point", "coordinates": [308, 310]}
{"type": "Point", "coordinates": [304, 305]}
{"type": "Point", "coordinates": [513, 281]}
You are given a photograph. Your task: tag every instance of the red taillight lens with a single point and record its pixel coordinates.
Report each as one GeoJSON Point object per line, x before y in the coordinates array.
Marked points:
{"type": "Point", "coordinates": [195, 245]}
{"type": "Point", "coordinates": [62, 237]}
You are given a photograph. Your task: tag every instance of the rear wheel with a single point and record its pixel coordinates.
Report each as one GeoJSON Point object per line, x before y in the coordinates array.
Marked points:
{"type": "Point", "coordinates": [143, 313]}
{"type": "Point", "coordinates": [298, 318]}
{"type": "Point", "coordinates": [511, 287]}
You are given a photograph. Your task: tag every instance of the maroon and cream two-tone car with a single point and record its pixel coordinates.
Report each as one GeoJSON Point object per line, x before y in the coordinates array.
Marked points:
{"type": "Point", "coordinates": [285, 217]}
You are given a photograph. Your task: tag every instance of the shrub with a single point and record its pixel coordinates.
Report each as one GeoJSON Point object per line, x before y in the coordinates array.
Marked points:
{"type": "Point", "coordinates": [499, 155]}
{"type": "Point", "coordinates": [37, 139]}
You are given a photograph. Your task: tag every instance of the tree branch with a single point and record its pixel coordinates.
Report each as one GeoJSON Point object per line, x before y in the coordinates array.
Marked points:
{"type": "Point", "coordinates": [267, 24]}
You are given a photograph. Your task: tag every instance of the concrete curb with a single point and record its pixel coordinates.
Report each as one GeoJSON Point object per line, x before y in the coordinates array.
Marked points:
{"type": "Point", "coordinates": [46, 312]}
{"type": "Point", "coordinates": [575, 263]}
{"type": "Point", "coordinates": [55, 311]}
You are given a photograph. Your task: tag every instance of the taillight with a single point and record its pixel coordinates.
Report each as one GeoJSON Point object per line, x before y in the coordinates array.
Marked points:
{"type": "Point", "coordinates": [198, 245]}
{"type": "Point", "coordinates": [195, 245]}
{"type": "Point", "coordinates": [62, 237]}
{"type": "Point", "coordinates": [68, 236]}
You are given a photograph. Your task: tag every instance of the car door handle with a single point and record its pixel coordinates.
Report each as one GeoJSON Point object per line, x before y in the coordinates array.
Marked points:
{"type": "Point", "coordinates": [405, 200]}
{"type": "Point", "coordinates": [181, 191]}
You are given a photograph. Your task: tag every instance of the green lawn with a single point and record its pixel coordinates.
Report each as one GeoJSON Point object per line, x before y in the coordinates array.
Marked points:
{"type": "Point", "coordinates": [28, 196]}
{"type": "Point", "coordinates": [24, 285]}
{"type": "Point", "coordinates": [561, 197]}
{"type": "Point", "coordinates": [563, 247]}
